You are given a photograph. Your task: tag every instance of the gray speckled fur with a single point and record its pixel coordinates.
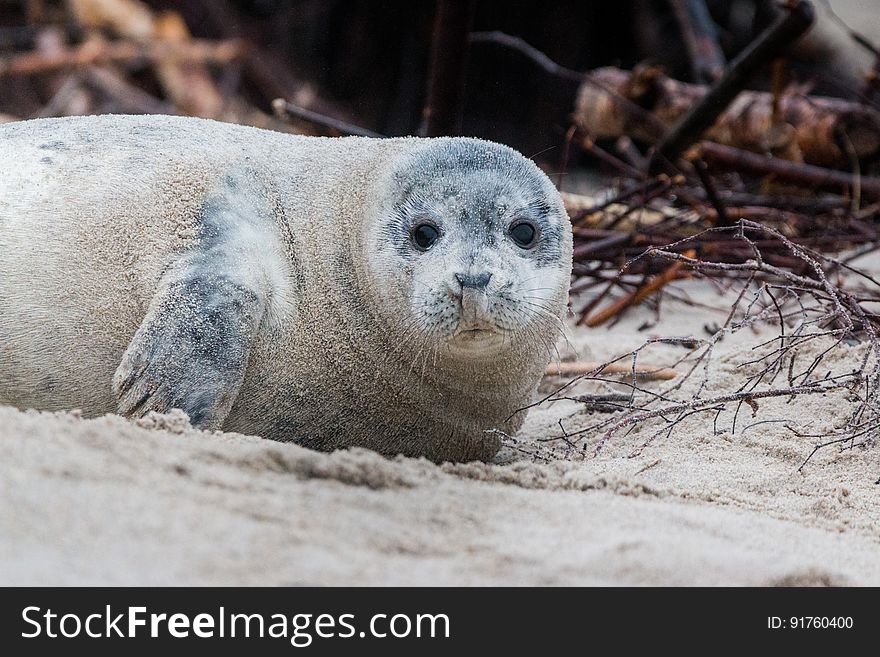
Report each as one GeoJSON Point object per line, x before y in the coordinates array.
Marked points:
{"type": "Point", "coordinates": [257, 280]}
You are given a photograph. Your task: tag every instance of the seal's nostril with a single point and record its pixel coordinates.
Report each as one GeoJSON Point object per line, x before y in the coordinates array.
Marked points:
{"type": "Point", "coordinates": [475, 281]}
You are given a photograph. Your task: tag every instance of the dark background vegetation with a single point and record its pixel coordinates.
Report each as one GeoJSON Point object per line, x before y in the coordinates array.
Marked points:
{"type": "Point", "coordinates": [367, 62]}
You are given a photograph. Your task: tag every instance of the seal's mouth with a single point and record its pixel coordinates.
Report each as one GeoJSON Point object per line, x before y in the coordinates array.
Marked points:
{"type": "Point", "coordinates": [471, 339]}
{"type": "Point", "coordinates": [475, 333]}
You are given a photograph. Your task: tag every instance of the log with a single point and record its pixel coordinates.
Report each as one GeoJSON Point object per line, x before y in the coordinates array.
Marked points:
{"type": "Point", "coordinates": [816, 122]}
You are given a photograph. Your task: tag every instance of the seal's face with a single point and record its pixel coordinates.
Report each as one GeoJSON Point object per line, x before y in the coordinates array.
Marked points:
{"type": "Point", "coordinates": [477, 246]}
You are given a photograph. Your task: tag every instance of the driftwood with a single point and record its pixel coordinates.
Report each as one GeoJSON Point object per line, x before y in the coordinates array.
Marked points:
{"type": "Point", "coordinates": [813, 125]}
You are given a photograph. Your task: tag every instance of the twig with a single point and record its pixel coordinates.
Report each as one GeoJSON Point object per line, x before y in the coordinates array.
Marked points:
{"type": "Point", "coordinates": [587, 248]}
{"type": "Point", "coordinates": [548, 66]}
{"type": "Point", "coordinates": [286, 110]}
{"type": "Point", "coordinates": [858, 38]}
{"type": "Point", "coordinates": [627, 149]}
{"type": "Point", "coordinates": [530, 52]}
{"type": "Point", "coordinates": [713, 402]}
{"type": "Point", "coordinates": [711, 192]}
{"type": "Point", "coordinates": [579, 206]}
{"type": "Point", "coordinates": [590, 146]}
{"type": "Point", "coordinates": [673, 273]}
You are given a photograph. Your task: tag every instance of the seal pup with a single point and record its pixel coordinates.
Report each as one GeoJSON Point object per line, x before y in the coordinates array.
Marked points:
{"type": "Point", "coordinates": [403, 294]}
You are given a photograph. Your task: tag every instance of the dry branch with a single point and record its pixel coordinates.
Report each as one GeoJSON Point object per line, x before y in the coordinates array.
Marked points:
{"type": "Point", "coordinates": [286, 111]}
{"type": "Point", "coordinates": [810, 308]}
{"type": "Point", "coordinates": [655, 284]}
{"type": "Point", "coordinates": [713, 403]}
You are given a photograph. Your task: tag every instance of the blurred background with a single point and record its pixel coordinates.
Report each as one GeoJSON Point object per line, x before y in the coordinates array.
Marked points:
{"type": "Point", "coordinates": [370, 63]}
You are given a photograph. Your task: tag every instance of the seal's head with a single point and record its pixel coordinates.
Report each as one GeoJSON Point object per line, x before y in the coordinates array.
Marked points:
{"type": "Point", "coordinates": [472, 250]}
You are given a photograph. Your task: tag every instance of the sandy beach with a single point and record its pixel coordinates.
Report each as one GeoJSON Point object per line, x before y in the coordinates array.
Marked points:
{"type": "Point", "coordinates": [107, 501]}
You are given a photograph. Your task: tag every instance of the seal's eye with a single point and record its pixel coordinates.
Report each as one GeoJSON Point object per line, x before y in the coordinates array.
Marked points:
{"type": "Point", "coordinates": [523, 233]}
{"type": "Point", "coordinates": [424, 235]}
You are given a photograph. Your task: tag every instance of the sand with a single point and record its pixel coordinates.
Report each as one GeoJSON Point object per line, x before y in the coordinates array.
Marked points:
{"type": "Point", "coordinates": [106, 501]}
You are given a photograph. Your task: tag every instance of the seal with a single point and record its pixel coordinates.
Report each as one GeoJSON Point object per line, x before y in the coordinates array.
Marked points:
{"type": "Point", "coordinates": [403, 295]}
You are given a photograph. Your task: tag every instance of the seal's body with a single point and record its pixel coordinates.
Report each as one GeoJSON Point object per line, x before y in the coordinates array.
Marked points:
{"type": "Point", "coordinates": [398, 294]}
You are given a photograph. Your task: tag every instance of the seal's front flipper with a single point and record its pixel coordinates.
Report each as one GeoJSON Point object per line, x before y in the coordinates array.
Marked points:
{"type": "Point", "coordinates": [191, 351]}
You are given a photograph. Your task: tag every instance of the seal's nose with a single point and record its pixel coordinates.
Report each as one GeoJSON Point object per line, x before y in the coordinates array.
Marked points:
{"type": "Point", "coordinates": [474, 281]}
{"type": "Point", "coordinates": [474, 300]}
